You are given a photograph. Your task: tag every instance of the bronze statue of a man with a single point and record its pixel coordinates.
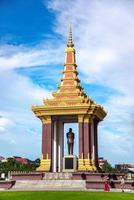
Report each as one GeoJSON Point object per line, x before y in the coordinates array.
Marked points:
{"type": "Point", "coordinates": [70, 141]}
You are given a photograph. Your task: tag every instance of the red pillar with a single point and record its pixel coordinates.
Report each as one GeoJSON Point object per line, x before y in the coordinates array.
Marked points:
{"type": "Point", "coordinates": [96, 142]}
{"type": "Point", "coordinates": [87, 140]}
{"type": "Point", "coordinates": [47, 140]}
{"type": "Point", "coordinates": [92, 140]}
{"type": "Point", "coordinates": [44, 141]}
{"type": "Point", "coordinates": [81, 139]}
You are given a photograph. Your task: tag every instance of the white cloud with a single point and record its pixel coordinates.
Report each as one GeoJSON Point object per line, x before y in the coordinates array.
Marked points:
{"type": "Point", "coordinates": [4, 122]}
{"type": "Point", "coordinates": [13, 56]}
{"type": "Point", "coordinates": [22, 129]}
{"type": "Point", "coordinates": [103, 35]}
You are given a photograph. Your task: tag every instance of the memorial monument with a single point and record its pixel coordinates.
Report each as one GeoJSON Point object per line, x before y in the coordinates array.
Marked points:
{"type": "Point", "coordinates": [70, 104]}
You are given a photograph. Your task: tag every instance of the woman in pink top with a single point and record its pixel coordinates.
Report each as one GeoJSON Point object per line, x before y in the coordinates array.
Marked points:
{"type": "Point", "coordinates": [106, 184]}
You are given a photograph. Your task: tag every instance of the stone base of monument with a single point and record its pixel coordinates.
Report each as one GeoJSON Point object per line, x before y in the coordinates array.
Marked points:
{"type": "Point", "coordinates": [63, 181]}
{"type": "Point", "coordinates": [70, 163]}
{"type": "Point", "coordinates": [27, 175]}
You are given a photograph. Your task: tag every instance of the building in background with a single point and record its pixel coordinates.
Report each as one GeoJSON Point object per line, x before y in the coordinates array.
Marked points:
{"type": "Point", "coordinates": [101, 161]}
{"type": "Point", "coordinates": [2, 159]}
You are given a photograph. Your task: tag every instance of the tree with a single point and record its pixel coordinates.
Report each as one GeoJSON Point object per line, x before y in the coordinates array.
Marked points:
{"type": "Point", "coordinates": [108, 168]}
{"type": "Point", "coordinates": [13, 165]}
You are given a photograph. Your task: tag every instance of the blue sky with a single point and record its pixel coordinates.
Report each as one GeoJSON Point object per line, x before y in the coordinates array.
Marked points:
{"type": "Point", "coordinates": [33, 37]}
{"type": "Point", "coordinates": [25, 22]}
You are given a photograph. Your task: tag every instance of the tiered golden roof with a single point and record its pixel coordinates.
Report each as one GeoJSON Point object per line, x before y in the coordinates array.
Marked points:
{"type": "Point", "coordinates": [70, 97]}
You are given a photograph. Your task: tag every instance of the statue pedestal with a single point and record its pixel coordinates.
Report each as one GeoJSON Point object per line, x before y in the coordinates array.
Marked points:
{"type": "Point", "coordinates": [70, 163]}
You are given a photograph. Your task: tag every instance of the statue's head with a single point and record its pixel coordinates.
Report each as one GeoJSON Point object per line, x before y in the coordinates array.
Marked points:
{"type": "Point", "coordinates": [70, 129]}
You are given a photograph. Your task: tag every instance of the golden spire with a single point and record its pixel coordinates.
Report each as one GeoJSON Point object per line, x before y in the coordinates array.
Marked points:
{"type": "Point", "coordinates": [70, 41]}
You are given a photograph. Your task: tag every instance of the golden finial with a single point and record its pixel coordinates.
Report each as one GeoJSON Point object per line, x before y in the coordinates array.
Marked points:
{"type": "Point", "coordinates": [70, 41]}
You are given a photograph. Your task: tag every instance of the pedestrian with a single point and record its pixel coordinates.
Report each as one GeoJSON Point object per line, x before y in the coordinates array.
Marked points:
{"type": "Point", "coordinates": [122, 183]}
{"type": "Point", "coordinates": [106, 184]}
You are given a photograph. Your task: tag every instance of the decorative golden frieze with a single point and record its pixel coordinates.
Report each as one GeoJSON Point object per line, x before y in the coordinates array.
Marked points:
{"type": "Point", "coordinates": [74, 71]}
{"type": "Point", "coordinates": [88, 165]}
{"type": "Point", "coordinates": [81, 165]}
{"type": "Point", "coordinates": [63, 111]}
{"type": "Point", "coordinates": [85, 165]}
{"type": "Point", "coordinates": [45, 165]}
{"type": "Point", "coordinates": [42, 111]}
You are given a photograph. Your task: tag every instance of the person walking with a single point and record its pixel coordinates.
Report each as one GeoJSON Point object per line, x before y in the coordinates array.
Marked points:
{"type": "Point", "coordinates": [122, 183]}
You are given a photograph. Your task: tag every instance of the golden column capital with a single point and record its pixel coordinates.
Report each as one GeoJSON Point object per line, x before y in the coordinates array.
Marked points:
{"type": "Point", "coordinates": [80, 118]}
{"type": "Point", "coordinates": [88, 118]}
{"type": "Point", "coordinates": [46, 119]}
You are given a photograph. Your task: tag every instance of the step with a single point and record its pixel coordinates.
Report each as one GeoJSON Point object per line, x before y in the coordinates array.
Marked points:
{"type": "Point", "coordinates": [49, 185]}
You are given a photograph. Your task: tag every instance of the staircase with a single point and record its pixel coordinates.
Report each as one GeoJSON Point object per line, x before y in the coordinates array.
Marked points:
{"type": "Point", "coordinates": [51, 181]}
{"type": "Point", "coordinates": [49, 185]}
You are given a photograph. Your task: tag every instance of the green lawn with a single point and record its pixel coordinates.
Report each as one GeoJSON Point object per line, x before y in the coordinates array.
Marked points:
{"type": "Point", "coordinates": [64, 195]}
